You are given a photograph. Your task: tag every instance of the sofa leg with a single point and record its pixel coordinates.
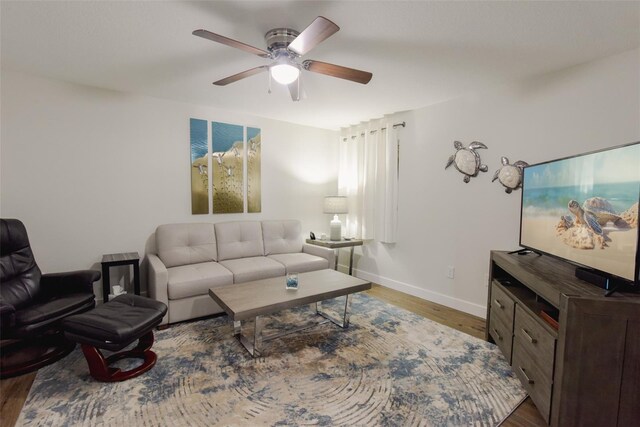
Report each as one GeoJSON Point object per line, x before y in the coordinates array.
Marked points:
{"type": "Point", "coordinates": [99, 365]}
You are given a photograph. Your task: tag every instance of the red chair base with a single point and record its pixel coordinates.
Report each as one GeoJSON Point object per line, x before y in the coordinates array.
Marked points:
{"type": "Point", "coordinates": [99, 365]}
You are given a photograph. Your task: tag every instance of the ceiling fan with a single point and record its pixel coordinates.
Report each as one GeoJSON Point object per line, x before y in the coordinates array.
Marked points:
{"type": "Point", "coordinates": [284, 47]}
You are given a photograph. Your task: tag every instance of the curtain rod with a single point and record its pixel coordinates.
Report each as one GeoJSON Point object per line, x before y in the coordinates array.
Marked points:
{"type": "Point", "coordinates": [395, 125]}
{"type": "Point", "coordinates": [403, 124]}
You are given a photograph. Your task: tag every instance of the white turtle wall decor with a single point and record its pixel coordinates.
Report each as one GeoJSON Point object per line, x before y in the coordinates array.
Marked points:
{"type": "Point", "coordinates": [510, 175]}
{"type": "Point", "coordinates": [467, 160]}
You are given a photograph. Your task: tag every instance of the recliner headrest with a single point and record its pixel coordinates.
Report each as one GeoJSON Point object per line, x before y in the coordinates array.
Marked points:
{"type": "Point", "coordinates": [13, 236]}
{"type": "Point", "coordinates": [19, 273]}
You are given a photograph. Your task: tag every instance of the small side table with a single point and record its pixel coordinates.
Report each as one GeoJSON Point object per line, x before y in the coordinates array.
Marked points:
{"type": "Point", "coordinates": [337, 244]}
{"type": "Point", "coordinates": [113, 260]}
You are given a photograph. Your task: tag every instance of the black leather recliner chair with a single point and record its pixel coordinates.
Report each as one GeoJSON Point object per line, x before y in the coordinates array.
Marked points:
{"type": "Point", "coordinates": [32, 304]}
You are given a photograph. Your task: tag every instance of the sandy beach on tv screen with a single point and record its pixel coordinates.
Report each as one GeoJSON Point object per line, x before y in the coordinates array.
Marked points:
{"type": "Point", "coordinates": [617, 257]}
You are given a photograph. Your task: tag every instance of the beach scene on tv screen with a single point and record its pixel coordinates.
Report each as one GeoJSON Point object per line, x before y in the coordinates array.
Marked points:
{"type": "Point", "coordinates": [585, 209]}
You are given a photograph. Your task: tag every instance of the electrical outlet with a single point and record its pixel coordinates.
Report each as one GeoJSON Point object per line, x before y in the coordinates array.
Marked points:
{"type": "Point", "coordinates": [451, 272]}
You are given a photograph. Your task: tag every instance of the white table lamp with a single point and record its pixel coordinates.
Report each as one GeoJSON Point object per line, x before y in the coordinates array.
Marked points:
{"type": "Point", "coordinates": [335, 205]}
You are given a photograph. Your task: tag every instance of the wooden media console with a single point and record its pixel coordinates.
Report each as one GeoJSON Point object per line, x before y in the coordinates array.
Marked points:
{"type": "Point", "coordinates": [576, 351]}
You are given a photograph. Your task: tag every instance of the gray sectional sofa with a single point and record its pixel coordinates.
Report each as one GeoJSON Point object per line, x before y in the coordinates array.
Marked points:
{"type": "Point", "coordinates": [193, 257]}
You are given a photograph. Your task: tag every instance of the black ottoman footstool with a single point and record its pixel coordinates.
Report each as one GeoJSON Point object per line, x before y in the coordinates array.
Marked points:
{"type": "Point", "coordinates": [113, 326]}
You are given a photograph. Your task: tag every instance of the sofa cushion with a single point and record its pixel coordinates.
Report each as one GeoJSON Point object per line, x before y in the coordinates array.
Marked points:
{"type": "Point", "coordinates": [183, 244]}
{"type": "Point", "coordinates": [282, 237]}
{"type": "Point", "coordinates": [299, 263]}
{"type": "Point", "coordinates": [254, 268]}
{"type": "Point", "coordinates": [196, 279]}
{"type": "Point", "coordinates": [239, 239]}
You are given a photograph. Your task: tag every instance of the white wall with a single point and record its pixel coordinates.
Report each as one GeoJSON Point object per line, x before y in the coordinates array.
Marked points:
{"type": "Point", "coordinates": [92, 171]}
{"type": "Point", "coordinates": [443, 221]}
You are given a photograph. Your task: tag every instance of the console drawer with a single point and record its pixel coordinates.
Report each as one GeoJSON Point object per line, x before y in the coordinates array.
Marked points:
{"type": "Point", "coordinates": [502, 335]}
{"type": "Point", "coordinates": [502, 304]}
{"type": "Point", "coordinates": [537, 384]}
{"type": "Point", "coordinates": [536, 340]}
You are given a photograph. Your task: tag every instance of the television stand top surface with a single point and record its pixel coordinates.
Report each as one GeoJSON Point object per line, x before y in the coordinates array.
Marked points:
{"type": "Point", "coordinates": [550, 277]}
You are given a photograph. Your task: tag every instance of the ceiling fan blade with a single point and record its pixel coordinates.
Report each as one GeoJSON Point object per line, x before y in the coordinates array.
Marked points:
{"type": "Point", "coordinates": [242, 75]}
{"type": "Point", "coordinates": [339, 71]}
{"type": "Point", "coordinates": [230, 42]}
{"type": "Point", "coordinates": [320, 29]}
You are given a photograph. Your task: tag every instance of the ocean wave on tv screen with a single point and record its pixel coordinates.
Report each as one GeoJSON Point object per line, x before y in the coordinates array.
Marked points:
{"type": "Point", "coordinates": [554, 200]}
{"type": "Point", "coordinates": [535, 211]}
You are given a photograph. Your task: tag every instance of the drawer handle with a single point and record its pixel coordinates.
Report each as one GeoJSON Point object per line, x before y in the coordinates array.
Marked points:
{"type": "Point", "coordinates": [498, 303]}
{"type": "Point", "coordinates": [498, 334]}
{"type": "Point", "coordinates": [529, 337]}
{"type": "Point", "coordinates": [529, 380]}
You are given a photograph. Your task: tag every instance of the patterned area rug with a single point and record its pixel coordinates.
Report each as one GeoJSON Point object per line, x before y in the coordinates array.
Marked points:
{"type": "Point", "coordinates": [390, 368]}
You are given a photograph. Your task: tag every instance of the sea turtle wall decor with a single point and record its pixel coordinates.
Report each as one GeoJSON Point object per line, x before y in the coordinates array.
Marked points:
{"type": "Point", "coordinates": [510, 175]}
{"type": "Point", "coordinates": [467, 159]}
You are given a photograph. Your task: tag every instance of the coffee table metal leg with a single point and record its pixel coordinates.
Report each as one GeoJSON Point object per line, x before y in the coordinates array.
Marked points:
{"type": "Point", "coordinates": [344, 322]}
{"type": "Point", "coordinates": [347, 311]}
{"type": "Point", "coordinates": [257, 337]}
{"type": "Point", "coordinates": [254, 347]}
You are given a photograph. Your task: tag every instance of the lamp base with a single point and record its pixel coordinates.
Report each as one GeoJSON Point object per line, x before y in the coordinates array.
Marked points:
{"type": "Point", "coordinates": [335, 229]}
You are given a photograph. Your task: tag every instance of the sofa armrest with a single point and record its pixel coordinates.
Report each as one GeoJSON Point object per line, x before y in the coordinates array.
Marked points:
{"type": "Point", "coordinates": [158, 281]}
{"type": "Point", "coordinates": [70, 282]}
{"type": "Point", "coordinates": [325, 253]}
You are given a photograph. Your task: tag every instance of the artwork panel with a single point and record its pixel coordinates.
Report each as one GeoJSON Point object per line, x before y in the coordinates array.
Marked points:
{"type": "Point", "coordinates": [199, 166]}
{"type": "Point", "coordinates": [254, 177]}
{"type": "Point", "coordinates": [227, 160]}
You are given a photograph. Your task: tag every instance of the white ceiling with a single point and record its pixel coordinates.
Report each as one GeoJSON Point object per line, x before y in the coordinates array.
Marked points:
{"type": "Point", "coordinates": [420, 53]}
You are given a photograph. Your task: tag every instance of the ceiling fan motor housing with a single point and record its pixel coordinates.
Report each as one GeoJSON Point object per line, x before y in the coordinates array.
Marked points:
{"type": "Point", "coordinates": [280, 38]}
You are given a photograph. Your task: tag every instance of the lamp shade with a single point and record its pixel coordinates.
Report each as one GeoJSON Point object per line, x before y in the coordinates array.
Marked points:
{"type": "Point", "coordinates": [335, 205]}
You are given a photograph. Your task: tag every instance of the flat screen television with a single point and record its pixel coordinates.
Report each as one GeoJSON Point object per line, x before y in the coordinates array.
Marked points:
{"type": "Point", "coordinates": [584, 209]}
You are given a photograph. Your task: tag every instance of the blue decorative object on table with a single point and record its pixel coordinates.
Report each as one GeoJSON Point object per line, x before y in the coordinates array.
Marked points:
{"type": "Point", "coordinates": [292, 281]}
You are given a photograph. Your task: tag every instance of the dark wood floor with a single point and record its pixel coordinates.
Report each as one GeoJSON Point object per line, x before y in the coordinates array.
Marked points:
{"type": "Point", "coordinates": [13, 391]}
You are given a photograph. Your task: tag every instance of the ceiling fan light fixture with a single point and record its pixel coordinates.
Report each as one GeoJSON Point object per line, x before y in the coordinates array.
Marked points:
{"type": "Point", "coordinates": [284, 73]}
{"type": "Point", "coordinates": [284, 47]}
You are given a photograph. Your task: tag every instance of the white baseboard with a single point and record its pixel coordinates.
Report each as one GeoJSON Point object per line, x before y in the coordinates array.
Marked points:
{"type": "Point", "coordinates": [451, 302]}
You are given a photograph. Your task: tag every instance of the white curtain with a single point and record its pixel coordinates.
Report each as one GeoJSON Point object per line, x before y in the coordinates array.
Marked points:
{"type": "Point", "coordinates": [368, 176]}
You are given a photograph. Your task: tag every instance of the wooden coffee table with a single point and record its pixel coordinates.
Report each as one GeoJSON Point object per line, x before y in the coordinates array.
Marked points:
{"type": "Point", "coordinates": [253, 300]}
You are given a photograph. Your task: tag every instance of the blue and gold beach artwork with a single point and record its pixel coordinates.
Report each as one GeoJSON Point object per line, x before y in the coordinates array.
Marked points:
{"type": "Point", "coordinates": [199, 167]}
{"type": "Point", "coordinates": [254, 180]}
{"type": "Point", "coordinates": [227, 159]}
